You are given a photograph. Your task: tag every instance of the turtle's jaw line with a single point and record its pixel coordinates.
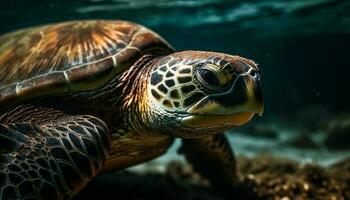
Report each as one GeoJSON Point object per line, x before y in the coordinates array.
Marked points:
{"type": "Point", "coordinates": [199, 121]}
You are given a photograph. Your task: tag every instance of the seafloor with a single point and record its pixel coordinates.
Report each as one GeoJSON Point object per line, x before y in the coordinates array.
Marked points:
{"type": "Point", "coordinates": [277, 159]}
{"type": "Point", "coordinates": [263, 177]}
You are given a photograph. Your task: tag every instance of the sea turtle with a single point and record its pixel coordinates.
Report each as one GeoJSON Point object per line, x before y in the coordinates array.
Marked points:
{"type": "Point", "coordinates": [81, 98]}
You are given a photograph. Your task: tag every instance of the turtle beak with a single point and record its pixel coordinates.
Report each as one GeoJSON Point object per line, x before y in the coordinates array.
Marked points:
{"type": "Point", "coordinates": [236, 106]}
{"type": "Point", "coordinates": [244, 96]}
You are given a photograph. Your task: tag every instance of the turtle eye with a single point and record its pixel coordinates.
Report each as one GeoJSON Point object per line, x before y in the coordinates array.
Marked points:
{"type": "Point", "coordinates": [209, 77]}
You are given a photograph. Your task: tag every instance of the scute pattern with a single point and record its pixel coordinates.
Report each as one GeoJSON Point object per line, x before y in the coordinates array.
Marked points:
{"type": "Point", "coordinates": [231, 71]}
{"type": "Point", "coordinates": [51, 161]}
{"type": "Point", "coordinates": [58, 47]}
{"type": "Point", "coordinates": [172, 84]}
{"type": "Point", "coordinates": [70, 57]}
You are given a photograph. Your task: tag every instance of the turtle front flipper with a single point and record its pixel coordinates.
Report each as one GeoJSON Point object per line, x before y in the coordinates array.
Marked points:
{"type": "Point", "coordinates": [54, 160]}
{"type": "Point", "coordinates": [213, 158]}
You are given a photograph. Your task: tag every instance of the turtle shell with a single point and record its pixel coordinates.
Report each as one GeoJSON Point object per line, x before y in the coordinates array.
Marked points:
{"type": "Point", "coordinates": [70, 57]}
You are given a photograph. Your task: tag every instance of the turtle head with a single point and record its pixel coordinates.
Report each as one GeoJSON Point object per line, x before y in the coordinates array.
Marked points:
{"type": "Point", "coordinates": [201, 92]}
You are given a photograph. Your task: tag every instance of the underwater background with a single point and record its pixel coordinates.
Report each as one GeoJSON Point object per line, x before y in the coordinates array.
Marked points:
{"type": "Point", "coordinates": [302, 46]}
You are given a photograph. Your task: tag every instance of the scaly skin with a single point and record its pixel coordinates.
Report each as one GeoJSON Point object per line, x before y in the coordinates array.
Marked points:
{"type": "Point", "coordinates": [52, 158]}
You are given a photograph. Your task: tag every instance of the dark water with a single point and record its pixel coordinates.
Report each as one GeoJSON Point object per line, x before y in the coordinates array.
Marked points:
{"type": "Point", "coordinates": [302, 47]}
